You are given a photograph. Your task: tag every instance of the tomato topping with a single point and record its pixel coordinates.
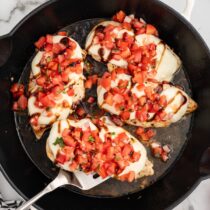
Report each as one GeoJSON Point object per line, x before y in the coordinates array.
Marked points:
{"type": "Point", "coordinates": [70, 92]}
{"type": "Point", "coordinates": [62, 33]}
{"type": "Point", "coordinates": [80, 111]}
{"type": "Point", "coordinates": [105, 81]}
{"type": "Point", "coordinates": [125, 115]}
{"type": "Point", "coordinates": [22, 102]}
{"type": "Point", "coordinates": [91, 100]}
{"type": "Point", "coordinates": [150, 29]}
{"type": "Point", "coordinates": [60, 158]}
{"type": "Point", "coordinates": [88, 84]}
{"type": "Point", "coordinates": [17, 90]}
{"type": "Point", "coordinates": [119, 17]}
{"type": "Point", "coordinates": [40, 43]}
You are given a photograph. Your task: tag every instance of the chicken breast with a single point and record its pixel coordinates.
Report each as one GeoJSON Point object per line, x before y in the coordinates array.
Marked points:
{"type": "Point", "coordinates": [102, 52]}
{"type": "Point", "coordinates": [54, 149]}
{"type": "Point", "coordinates": [152, 104]}
{"type": "Point", "coordinates": [56, 83]}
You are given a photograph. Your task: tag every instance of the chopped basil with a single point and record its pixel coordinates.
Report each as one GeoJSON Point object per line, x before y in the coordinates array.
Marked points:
{"type": "Point", "coordinates": [49, 59]}
{"type": "Point", "coordinates": [91, 139]}
{"type": "Point", "coordinates": [59, 141]}
{"type": "Point", "coordinates": [112, 133]}
{"type": "Point", "coordinates": [122, 108]}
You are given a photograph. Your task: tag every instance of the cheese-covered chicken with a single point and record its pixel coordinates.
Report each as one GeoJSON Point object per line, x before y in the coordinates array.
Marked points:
{"type": "Point", "coordinates": [56, 81]}
{"type": "Point", "coordinates": [106, 149]}
{"type": "Point", "coordinates": [151, 104]}
{"type": "Point", "coordinates": [133, 44]}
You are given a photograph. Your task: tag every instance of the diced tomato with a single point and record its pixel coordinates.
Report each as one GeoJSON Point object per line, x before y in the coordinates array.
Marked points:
{"type": "Point", "coordinates": [163, 101]}
{"type": "Point", "coordinates": [131, 176]}
{"type": "Point", "coordinates": [22, 102]}
{"type": "Point", "coordinates": [105, 82]}
{"type": "Point", "coordinates": [80, 111]}
{"type": "Point", "coordinates": [119, 17]}
{"type": "Point", "coordinates": [157, 151]}
{"type": "Point", "coordinates": [88, 84]}
{"type": "Point", "coordinates": [102, 172]}
{"type": "Point", "coordinates": [111, 169]}
{"type": "Point", "coordinates": [65, 76]}
{"type": "Point", "coordinates": [73, 166]}
{"type": "Point", "coordinates": [141, 115]}
{"type": "Point", "coordinates": [53, 65]}
{"type": "Point", "coordinates": [70, 92]}
{"type": "Point", "coordinates": [125, 115]}
{"type": "Point", "coordinates": [40, 80]}
{"type": "Point", "coordinates": [150, 29]}
{"type": "Point", "coordinates": [151, 133]}
{"type": "Point", "coordinates": [17, 90]}
{"type": "Point", "coordinates": [60, 158]}
{"type": "Point", "coordinates": [139, 130]}
{"type": "Point", "coordinates": [62, 33]}
{"type": "Point", "coordinates": [49, 39]}
{"type": "Point", "coordinates": [136, 156]}
{"type": "Point", "coordinates": [137, 56]}
{"type": "Point", "coordinates": [91, 100]}
{"type": "Point", "coordinates": [47, 102]}
{"type": "Point", "coordinates": [61, 58]}
{"type": "Point", "coordinates": [126, 25]}
{"type": "Point", "coordinates": [138, 78]}
{"type": "Point", "coordinates": [40, 43]}
{"type": "Point", "coordinates": [69, 152]}
{"type": "Point", "coordinates": [164, 156]}
{"type": "Point", "coordinates": [138, 25]}
{"type": "Point", "coordinates": [127, 149]}
{"type": "Point", "coordinates": [15, 106]}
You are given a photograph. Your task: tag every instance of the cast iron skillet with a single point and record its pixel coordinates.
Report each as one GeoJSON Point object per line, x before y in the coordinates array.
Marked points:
{"type": "Point", "coordinates": [17, 48]}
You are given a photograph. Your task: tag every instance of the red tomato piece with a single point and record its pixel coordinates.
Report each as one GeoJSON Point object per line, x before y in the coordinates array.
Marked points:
{"type": "Point", "coordinates": [22, 102]}
{"type": "Point", "coordinates": [105, 82]}
{"type": "Point", "coordinates": [91, 100]}
{"type": "Point", "coordinates": [80, 111]}
{"type": "Point", "coordinates": [119, 17]}
{"type": "Point", "coordinates": [49, 39]}
{"type": "Point", "coordinates": [60, 158]}
{"type": "Point", "coordinates": [150, 29]}
{"type": "Point", "coordinates": [70, 92]}
{"type": "Point", "coordinates": [88, 83]}
{"type": "Point", "coordinates": [125, 115]}
{"type": "Point", "coordinates": [17, 90]}
{"type": "Point", "coordinates": [40, 43]}
{"type": "Point", "coordinates": [62, 33]}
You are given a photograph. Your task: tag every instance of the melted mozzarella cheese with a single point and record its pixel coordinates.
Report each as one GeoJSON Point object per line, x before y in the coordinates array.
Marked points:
{"type": "Point", "coordinates": [178, 106]}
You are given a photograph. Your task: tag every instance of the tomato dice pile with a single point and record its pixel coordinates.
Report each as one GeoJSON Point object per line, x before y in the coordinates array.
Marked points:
{"type": "Point", "coordinates": [84, 150]}
{"type": "Point", "coordinates": [160, 151]}
{"type": "Point", "coordinates": [145, 134]}
{"type": "Point", "coordinates": [125, 101]}
{"type": "Point", "coordinates": [20, 101]}
{"type": "Point", "coordinates": [56, 65]}
{"type": "Point", "coordinates": [141, 60]}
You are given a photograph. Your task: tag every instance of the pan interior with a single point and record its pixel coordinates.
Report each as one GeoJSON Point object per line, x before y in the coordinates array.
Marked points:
{"type": "Point", "coordinates": [176, 135]}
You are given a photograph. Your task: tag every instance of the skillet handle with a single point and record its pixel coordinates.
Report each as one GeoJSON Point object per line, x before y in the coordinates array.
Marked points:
{"type": "Point", "coordinates": [187, 13]}
{"type": "Point", "coordinates": [5, 49]}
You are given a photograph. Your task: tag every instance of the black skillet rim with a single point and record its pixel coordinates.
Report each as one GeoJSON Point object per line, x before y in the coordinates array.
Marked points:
{"type": "Point", "coordinates": [170, 10]}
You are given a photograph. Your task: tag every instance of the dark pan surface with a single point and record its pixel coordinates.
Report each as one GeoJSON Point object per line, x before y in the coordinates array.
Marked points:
{"type": "Point", "coordinates": [175, 135]}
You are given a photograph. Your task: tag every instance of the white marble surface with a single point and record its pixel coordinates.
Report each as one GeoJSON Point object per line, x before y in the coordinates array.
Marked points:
{"type": "Point", "coordinates": [12, 11]}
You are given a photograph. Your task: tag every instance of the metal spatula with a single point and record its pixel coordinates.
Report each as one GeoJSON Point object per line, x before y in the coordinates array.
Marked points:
{"type": "Point", "coordinates": [77, 179]}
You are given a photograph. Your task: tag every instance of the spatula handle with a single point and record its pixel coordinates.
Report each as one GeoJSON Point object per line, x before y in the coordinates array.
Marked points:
{"type": "Point", "coordinates": [28, 203]}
